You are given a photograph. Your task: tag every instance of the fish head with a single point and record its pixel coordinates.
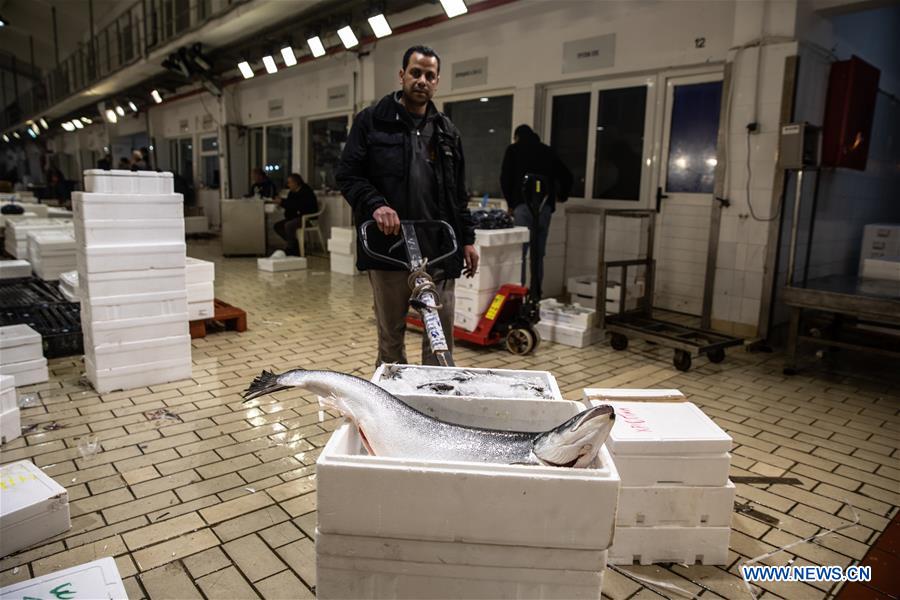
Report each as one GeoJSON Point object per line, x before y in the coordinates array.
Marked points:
{"type": "Point", "coordinates": [576, 442]}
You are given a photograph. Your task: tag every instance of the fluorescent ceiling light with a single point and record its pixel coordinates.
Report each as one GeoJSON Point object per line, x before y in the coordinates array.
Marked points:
{"type": "Point", "coordinates": [156, 97]}
{"type": "Point", "coordinates": [86, 120]}
{"type": "Point", "coordinates": [132, 106]}
{"type": "Point", "coordinates": [246, 71]}
{"type": "Point", "coordinates": [16, 135]}
{"type": "Point", "coordinates": [454, 8]}
{"type": "Point", "coordinates": [3, 22]}
{"type": "Point", "coordinates": [269, 64]}
{"type": "Point", "coordinates": [5, 138]}
{"type": "Point", "coordinates": [348, 38]}
{"type": "Point", "coordinates": [35, 128]}
{"type": "Point", "coordinates": [484, 99]}
{"type": "Point", "coordinates": [44, 123]}
{"type": "Point", "coordinates": [111, 115]}
{"type": "Point", "coordinates": [290, 59]}
{"type": "Point", "coordinates": [380, 26]}
{"type": "Point", "coordinates": [68, 126]}
{"type": "Point", "coordinates": [315, 46]}
{"type": "Point", "coordinates": [78, 124]}
{"type": "Point", "coordinates": [32, 133]}
{"type": "Point", "coordinates": [120, 111]}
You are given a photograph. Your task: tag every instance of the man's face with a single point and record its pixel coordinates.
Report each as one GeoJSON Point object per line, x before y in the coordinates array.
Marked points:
{"type": "Point", "coordinates": [420, 78]}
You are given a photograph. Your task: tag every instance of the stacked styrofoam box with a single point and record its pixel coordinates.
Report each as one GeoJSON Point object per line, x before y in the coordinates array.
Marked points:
{"type": "Point", "coordinates": [583, 291]}
{"type": "Point", "coordinates": [500, 261]}
{"type": "Point", "coordinates": [13, 269]}
{"type": "Point", "coordinates": [16, 237]}
{"type": "Point", "coordinates": [274, 264]}
{"type": "Point", "coordinates": [10, 423]}
{"type": "Point", "coordinates": [131, 275]}
{"type": "Point", "coordinates": [22, 353]}
{"type": "Point", "coordinates": [567, 324]}
{"type": "Point", "coordinates": [34, 508]}
{"type": "Point", "coordinates": [676, 500]}
{"type": "Point", "coordinates": [879, 240]}
{"type": "Point", "coordinates": [200, 276]}
{"type": "Point", "coordinates": [415, 528]}
{"type": "Point", "coordinates": [342, 249]}
{"type": "Point", "coordinates": [68, 286]}
{"type": "Point", "coordinates": [52, 252]}
{"type": "Point", "coordinates": [887, 268]}
{"type": "Point", "coordinates": [97, 579]}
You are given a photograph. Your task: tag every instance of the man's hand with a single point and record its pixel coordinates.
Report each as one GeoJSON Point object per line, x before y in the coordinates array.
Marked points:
{"type": "Point", "coordinates": [388, 220]}
{"type": "Point", "coordinates": [470, 256]}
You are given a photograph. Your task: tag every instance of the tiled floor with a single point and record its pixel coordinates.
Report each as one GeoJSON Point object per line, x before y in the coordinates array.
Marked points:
{"type": "Point", "coordinates": [220, 502]}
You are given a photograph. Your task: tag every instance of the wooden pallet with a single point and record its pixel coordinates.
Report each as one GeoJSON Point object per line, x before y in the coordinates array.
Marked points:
{"type": "Point", "coordinates": [230, 317]}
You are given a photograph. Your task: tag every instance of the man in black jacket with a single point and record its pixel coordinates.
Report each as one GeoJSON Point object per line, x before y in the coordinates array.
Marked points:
{"type": "Point", "coordinates": [403, 160]}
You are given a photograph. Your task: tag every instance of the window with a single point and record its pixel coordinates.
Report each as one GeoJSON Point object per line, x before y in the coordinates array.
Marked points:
{"type": "Point", "coordinates": [181, 158]}
{"type": "Point", "coordinates": [209, 161]}
{"type": "Point", "coordinates": [692, 138]}
{"type": "Point", "coordinates": [255, 155]}
{"type": "Point", "coordinates": [569, 135]}
{"type": "Point", "coordinates": [326, 141]}
{"type": "Point", "coordinates": [486, 128]}
{"type": "Point", "coordinates": [619, 143]}
{"type": "Point", "coordinates": [279, 154]}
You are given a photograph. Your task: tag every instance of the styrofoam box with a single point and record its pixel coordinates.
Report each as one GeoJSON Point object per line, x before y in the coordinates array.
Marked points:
{"type": "Point", "coordinates": [8, 398]}
{"type": "Point", "coordinates": [576, 317]}
{"type": "Point", "coordinates": [135, 376]}
{"type": "Point", "coordinates": [201, 292]}
{"type": "Point", "coordinates": [595, 396]}
{"type": "Point", "coordinates": [684, 545]}
{"type": "Point", "coordinates": [201, 310]}
{"type": "Point", "coordinates": [675, 505]}
{"type": "Point", "coordinates": [472, 302]}
{"type": "Point", "coordinates": [126, 354]}
{"type": "Point", "coordinates": [199, 271]}
{"type": "Point", "coordinates": [98, 579]}
{"type": "Point", "coordinates": [277, 265]}
{"type": "Point", "coordinates": [882, 268]}
{"type": "Point", "coordinates": [13, 269]}
{"type": "Point", "coordinates": [55, 212]}
{"type": "Point", "coordinates": [491, 277]}
{"type": "Point", "coordinates": [19, 343]}
{"type": "Point", "coordinates": [131, 257]}
{"type": "Point", "coordinates": [123, 283]}
{"type": "Point", "coordinates": [10, 425]}
{"type": "Point", "coordinates": [101, 181]}
{"type": "Point", "coordinates": [34, 507]}
{"type": "Point", "coordinates": [93, 206]}
{"type": "Point", "coordinates": [132, 231]}
{"type": "Point", "coordinates": [467, 321]}
{"type": "Point", "coordinates": [133, 306]}
{"type": "Point", "coordinates": [344, 264]}
{"type": "Point", "coordinates": [517, 236]}
{"type": "Point", "coordinates": [569, 336]}
{"type": "Point", "coordinates": [27, 372]}
{"type": "Point", "coordinates": [133, 330]}
{"type": "Point", "coordinates": [342, 246]}
{"type": "Point", "coordinates": [485, 503]}
{"type": "Point", "coordinates": [499, 255]}
{"type": "Point", "coordinates": [343, 234]}
{"type": "Point", "coordinates": [70, 294]}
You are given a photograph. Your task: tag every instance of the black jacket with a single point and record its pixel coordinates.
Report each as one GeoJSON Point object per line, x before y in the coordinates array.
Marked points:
{"type": "Point", "coordinates": [374, 171]}
{"type": "Point", "coordinates": [529, 155]}
{"type": "Point", "coordinates": [299, 203]}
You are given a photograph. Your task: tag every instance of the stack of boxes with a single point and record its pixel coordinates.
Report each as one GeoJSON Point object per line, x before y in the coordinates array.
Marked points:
{"type": "Point", "coordinates": [500, 261]}
{"type": "Point", "coordinates": [16, 237]}
{"type": "Point", "coordinates": [583, 291]}
{"type": "Point", "coordinates": [342, 249]}
{"type": "Point", "coordinates": [505, 531]}
{"type": "Point", "coordinates": [131, 275]}
{"type": "Point", "coordinates": [676, 501]}
{"type": "Point", "coordinates": [568, 324]}
{"type": "Point", "coordinates": [51, 252]}
{"type": "Point", "coordinates": [880, 241]}
{"type": "Point", "coordinates": [10, 423]}
{"type": "Point", "coordinates": [200, 276]}
{"type": "Point", "coordinates": [23, 355]}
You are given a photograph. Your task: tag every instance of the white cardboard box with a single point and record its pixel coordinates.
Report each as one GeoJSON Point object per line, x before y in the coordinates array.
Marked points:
{"type": "Point", "coordinates": [675, 505]}
{"type": "Point", "coordinates": [684, 545]}
{"type": "Point", "coordinates": [133, 306]}
{"type": "Point", "coordinates": [96, 580]}
{"type": "Point", "coordinates": [199, 271]}
{"type": "Point", "coordinates": [34, 507]}
{"type": "Point", "coordinates": [20, 343]}
{"type": "Point", "coordinates": [277, 265]}
{"type": "Point", "coordinates": [10, 424]}
{"type": "Point", "coordinates": [135, 376]}
{"type": "Point", "coordinates": [131, 257]}
{"type": "Point", "coordinates": [13, 269]}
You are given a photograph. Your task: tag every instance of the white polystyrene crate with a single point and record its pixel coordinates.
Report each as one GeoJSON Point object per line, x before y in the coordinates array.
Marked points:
{"type": "Point", "coordinates": [135, 376]}
{"type": "Point", "coordinates": [8, 398]}
{"type": "Point", "coordinates": [341, 246]}
{"type": "Point", "coordinates": [97, 580]}
{"type": "Point", "coordinates": [499, 255]}
{"type": "Point", "coordinates": [568, 336]}
{"type": "Point", "coordinates": [19, 343]}
{"type": "Point", "coordinates": [639, 470]}
{"type": "Point", "coordinates": [116, 181]}
{"type": "Point", "coordinates": [676, 505]}
{"type": "Point", "coordinates": [133, 330]}
{"type": "Point", "coordinates": [887, 268]}
{"type": "Point", "coordinates": [93, 206]}
{"type": "Point", "coordinates": [13, 269]}
{"type": "Point", "coordinates": [132, 306]}
{"type": "Point", "coordinates": [27, 372]}
{"type": "Point", "coordinates": [201, 292]}
{"type": "Point", "coordinates": [467, 321]}
{"type": "Point", "coordinates": [113, 232]}
{"type": "Point", "coordinates": [199, 271]}
{"type": "Point", "coordinates": [485, 238]}
{"type": "Point", "coordinates": [10, 424]}
{"type": "Point", "coordinates": [123, 283]}
{"type": "Point", "coordinates": [472, 302]}
{"type": "Point", "coordinates": [491, 277]}
{"type": "Point", "coordinates": [277, 265]}
{"type": "Point", "coordinates": [127, 354]}
{"type": "Point", "coordinates": [660, 428]}
{"type": "Point", "coordinates": [344, 264]}
{"type": "Point", "coordinates": [595, 396]}
{"type": "Point", "coordinates": [343, 233]}
{"type": "Point", "coordinates": [196, 224]}
{"type": "Point", "coordinates": [576, 317]}
{"type": "Point", "coordinates": [55, 212]}
{"type": "Point", "coordinates": [33, 507]}
{"type": "Point", "coordinates": [131, 257]}
{"type": "Point", "coordinates": [201, 310]}
{"type": "Point", "coordinates": [682, 545]}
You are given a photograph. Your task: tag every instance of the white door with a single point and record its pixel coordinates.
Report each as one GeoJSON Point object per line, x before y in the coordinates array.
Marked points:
{"type": "Point", "coordinates": [685, 188]}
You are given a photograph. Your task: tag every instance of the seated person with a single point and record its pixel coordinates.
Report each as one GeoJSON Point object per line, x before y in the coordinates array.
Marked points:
{"type": "Point", "coordinates": [262, 186]}
{"type": "Point", "coordinates": [301, 200]}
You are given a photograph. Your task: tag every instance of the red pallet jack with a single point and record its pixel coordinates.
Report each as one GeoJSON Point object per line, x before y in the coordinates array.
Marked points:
{"type": "Point", "coordinates": [515, 310]}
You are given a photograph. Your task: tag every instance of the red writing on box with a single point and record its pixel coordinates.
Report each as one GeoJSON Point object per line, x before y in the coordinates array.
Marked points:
{"type": "Point", "coordinates": [634, 421]}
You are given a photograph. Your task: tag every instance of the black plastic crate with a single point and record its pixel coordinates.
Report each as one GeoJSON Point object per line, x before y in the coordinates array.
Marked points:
{"type": "Point", "coordinates": [28, 291]}
{"type": "Point", "coordinates": [59, 325]}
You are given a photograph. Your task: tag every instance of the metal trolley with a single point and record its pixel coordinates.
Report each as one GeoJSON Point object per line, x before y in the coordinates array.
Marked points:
{"type": "Point", "coordinates": [638, 323]}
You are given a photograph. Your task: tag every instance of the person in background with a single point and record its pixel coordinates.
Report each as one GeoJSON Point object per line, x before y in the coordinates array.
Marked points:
{"type": "Point", "coordinates": [262, 186]}
{"type": "Point", "coordinates": [300, 201]}
{"type": "Point", "coordinates": [105, 162]}
{"type": "Point", "coordinates": [527, 154]}
{"type": "Point", "coordinates": [57, 188]}
{"type": "Point", "coordinates": [137, 161]}
{"type": "Point", "coordinates": [124, 164]}
{"type": "Point", "coordinates": [145, 153]}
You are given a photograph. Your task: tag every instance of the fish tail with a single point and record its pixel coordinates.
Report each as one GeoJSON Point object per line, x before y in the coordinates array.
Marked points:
{"type": "Point", "coordinates": [265, 383]}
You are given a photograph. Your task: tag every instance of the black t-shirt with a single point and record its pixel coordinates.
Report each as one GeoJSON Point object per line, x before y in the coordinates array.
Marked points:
{"type": "Point", "coordinates": [301, 202]}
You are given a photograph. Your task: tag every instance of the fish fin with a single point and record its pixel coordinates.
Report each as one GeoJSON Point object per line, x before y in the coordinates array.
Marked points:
{"type": "Point", "coordinates": [365, 440]}
{"type": "Point", "coordinates": [265, 383]}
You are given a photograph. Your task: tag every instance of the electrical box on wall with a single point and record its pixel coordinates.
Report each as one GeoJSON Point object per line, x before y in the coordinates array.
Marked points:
{"type": "Point", "coordinates": [798, 146]}
{"type": "Point", "coordinates": [849, 112]}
